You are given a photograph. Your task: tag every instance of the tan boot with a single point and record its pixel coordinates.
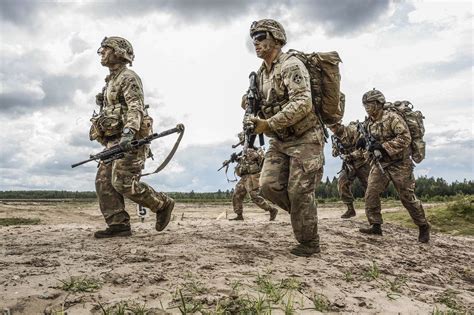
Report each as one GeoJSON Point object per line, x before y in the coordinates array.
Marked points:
{"type": "Point", "coordinates": [306, 249]}
{"type": "Point", "coordinates": [424, 236]}
{"type": "Point", "coordinates": [239, 217]}
{"type": "Point", "coordinates": [114, 231]}
{"type": "Point", "coordinates": [375, 229]}
{"type": "Point", "coordinates": [350, 212]}
{"type": "Point", "coordinates": [273, 214]}
{"type": "Point", "coordinates": [163, 216]}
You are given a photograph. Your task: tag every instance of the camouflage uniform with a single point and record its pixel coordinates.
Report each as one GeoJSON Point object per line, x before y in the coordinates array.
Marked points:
{"type": "Point", "coordinates": [248, 168]}
{"type": "Point", "coordinates": [355, 164]}
{"type": "Point", "coordinates": [295, 158]}
{"type": "Point", "coordinates": [392, 132]}
{"type": "Point", "coordinates": [122, 106]}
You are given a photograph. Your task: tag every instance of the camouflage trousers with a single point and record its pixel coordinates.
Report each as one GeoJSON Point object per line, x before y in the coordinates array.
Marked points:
{"type": "Point", "coordinates": [248, 184]}
{"type": "Point", "coordinates": [288, 179]}
{"type": "Point", "coordinates": [119, 179]}
{"type": "Point", "coordinates": [347, 177]}
{"type": "Point", "coordinates": [401, 175]}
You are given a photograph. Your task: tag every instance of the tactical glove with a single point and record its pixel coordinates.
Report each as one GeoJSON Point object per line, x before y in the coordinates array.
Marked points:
{"type": "Point", "coordinates": [261, 125]}
{"type": "Point", "coordinates": [126, 140]}
{"type": "Point", "coordinates": [375, 146]}
{"type": "Point", "coordinates": [361, 143]}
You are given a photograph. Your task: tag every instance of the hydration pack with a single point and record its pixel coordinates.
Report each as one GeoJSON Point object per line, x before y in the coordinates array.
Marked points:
{"type": "Point", "coordinates": [414, 120]}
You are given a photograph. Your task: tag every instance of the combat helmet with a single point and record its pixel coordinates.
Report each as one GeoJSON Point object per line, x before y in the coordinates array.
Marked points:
{"type": "Point", "coordinates": [373, 95]}
{"type": "Point", "coordinates": [122, 47]}
{"type": "Point", "coordinates": [271, 26]}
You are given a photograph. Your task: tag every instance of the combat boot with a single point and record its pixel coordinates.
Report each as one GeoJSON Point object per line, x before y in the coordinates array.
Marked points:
{"type": "Point", "coordinates": [306, 249]}
{"type": "Point", "coordinates": [273, 214]}
{"type": "Point", "coordinates": [163, 216]}
{"type": "Point", "coordinates": [113, 231]}
{"type": "Point", "coordinates": [424, 236]}
{"type": "Point", "coordinates": [375, 229]}
{"type": "Point", "coordinates": [350, 212]}
{"type": "Point", "coordinates": [239, 217]}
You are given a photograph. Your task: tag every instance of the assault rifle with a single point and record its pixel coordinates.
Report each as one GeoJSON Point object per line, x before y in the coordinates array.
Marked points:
{"type": "Point", "coordinates": [233, 158]}
{"type": "Point", "coordinates": [343, 154]}
{"type": "Point", "coordinates": [116, 152]}
{"type": "Point", "coordinates": [369, 141]}
{"type": "Point", "coordinates": [253, 108]}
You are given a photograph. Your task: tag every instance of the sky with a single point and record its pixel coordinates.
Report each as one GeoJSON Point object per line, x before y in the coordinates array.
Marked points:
{"type": "Point", "coordinates": [194, 58]}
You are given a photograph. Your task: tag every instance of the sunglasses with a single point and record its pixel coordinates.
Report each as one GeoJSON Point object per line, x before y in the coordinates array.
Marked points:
{"type": "Point", "coordinates": [259, 36]}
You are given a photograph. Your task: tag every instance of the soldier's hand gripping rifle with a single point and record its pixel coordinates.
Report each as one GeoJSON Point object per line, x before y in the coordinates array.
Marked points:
{"type": "Point", "coordinates": [233, 158]}
{"type": "Point", "coordinates": [369, 142]}
{"type": "Point", "coordinates": [343, 154]}
{"type": "Point", "coordinates": [116, 152]}
{"type": "Point", "coordinates": [252, 110]}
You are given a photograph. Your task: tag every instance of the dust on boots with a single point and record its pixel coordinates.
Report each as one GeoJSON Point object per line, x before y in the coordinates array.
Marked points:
{"type": "Point", "coordinates": [375, 229]}
{"type": "Point", "coordinates": [350, 212]}
{"type": "Point", "coordinates": [114, 231]}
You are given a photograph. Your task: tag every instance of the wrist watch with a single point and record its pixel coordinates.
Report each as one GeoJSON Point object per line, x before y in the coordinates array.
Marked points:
{"type": "Point", "coordinates": [127, 131]}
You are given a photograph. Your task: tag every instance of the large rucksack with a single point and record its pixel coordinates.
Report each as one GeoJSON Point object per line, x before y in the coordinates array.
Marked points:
{"type": "Point", "coordinates": [323, 68]}
{"type": "Point", "coordinates": [414, 120]}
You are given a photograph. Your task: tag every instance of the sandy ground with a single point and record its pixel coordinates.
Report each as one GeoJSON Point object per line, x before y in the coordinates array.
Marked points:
{"type": "Point", "coordinates": [214, 263]}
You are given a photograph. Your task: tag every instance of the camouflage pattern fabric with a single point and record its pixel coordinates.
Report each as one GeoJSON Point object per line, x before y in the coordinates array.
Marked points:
{"type": "Point", "coordinates": [124, 107]}
{"type": "Point", "coordinates": [392, 132]}
{"type": "Point", "coordinates": [348, 135]}
{"type": "Point", "coordinates": [294, 160]}
{"type": "Point", "coordinates": [286, 94]}
{"type": "Point", "coordinates": [346, 179]}
{"type": "Point", "coordinates": [248, 184]}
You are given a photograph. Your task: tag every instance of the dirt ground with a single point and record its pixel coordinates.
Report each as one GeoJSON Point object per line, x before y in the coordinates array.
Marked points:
{"type": "Point", "coordinates": [205, 263]}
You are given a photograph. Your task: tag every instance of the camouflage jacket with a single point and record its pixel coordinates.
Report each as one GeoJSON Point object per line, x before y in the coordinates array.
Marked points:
{"type": "Point", "coordinates": [285, 93]}
{"type": "Point", "coordinates": [122, 106]}
{"type": "Point", "coordinates": [392, 132]}
{"type": "Point", "coordinates": [250, 162]}
{"type": "Point", "coordinates": [348, 136]}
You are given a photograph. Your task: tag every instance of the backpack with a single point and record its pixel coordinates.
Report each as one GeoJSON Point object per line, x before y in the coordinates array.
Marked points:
{"type": "Point", "coordinates": [328, 100]}
{"type": "Point", "coordinates": [414, 120]}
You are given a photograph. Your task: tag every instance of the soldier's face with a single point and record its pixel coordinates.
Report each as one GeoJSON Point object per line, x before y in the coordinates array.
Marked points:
{"type": "Point", "coordinates": [371, 108]}
{"type": "Point", "coordinates": [107, 56]}
{"type": "Point", "coordinates": [264, 45]}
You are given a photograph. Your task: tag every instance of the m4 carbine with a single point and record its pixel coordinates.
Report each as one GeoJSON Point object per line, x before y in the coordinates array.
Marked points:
{"type": "Point", "coordinates": [252, 110]}
{"type": "Point", "coordinates": [116, 152]}
{"type": "Point", "coordinates": [343, 154]}
{"type": "Point", "coordinates": [369, 141]}
{"type": "Point", "coordinates": [233, 158]}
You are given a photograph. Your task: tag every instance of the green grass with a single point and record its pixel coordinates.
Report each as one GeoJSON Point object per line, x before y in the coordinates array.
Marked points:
{"type": "Point", "coordinates": [321, 303]}
{"type": "Point", "coordinates": [80, 284]}
{"type": "Point", "coordinates": [372, 272]}
{"type": "Point", "coordinates": [455, 218]}
{"type": "Point", "coordinates": [18, 221]}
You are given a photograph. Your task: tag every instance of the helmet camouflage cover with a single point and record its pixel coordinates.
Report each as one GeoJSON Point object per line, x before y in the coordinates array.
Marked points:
{"type": "Point", "coordinates": [122, 47]}
{"type": "Point", "coordinates": [271, 26]}
{"type": "Point", "coordinates": [373, 95]}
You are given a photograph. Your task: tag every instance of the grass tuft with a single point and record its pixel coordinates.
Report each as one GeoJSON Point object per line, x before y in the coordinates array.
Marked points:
{"type": "Point", "coordinates": [19, 221]}
{"type": "Point", "coordinates": [80, 284]}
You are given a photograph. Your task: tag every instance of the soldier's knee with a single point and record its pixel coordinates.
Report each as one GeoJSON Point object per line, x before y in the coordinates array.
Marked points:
{"type": "Point", "coordinates": [121, 187]}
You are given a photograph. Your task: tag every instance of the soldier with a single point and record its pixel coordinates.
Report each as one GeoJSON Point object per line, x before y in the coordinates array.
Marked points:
{"type": "Point", "coordinates": [392, 140]}
{"type": "Point", "coordinates": [354, 165]}
{"type": "Point", "coordinates": [123, 118]}
{"type": "Point", "coordinates": [248, 168]}
{"type": "Point", "coordinates": [295, 156]}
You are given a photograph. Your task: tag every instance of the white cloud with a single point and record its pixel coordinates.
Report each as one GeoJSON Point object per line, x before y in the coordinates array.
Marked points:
{"type": "Point", "coordinates": [194, 64]}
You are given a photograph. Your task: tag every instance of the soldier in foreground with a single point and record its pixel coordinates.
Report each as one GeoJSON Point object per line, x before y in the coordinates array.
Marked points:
{"type": "Point", "coordinates": [122, 119]}
{"type": "Point", "coordinates": [248, 168]}
{"type": "Point", "coordinates": [295, 156]}
{"type": "Point", "coordinates": [388, 141]}
{"type": "Point", "coordinates": [354, 165]}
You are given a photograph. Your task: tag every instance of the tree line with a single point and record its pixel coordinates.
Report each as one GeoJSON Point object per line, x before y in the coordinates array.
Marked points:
{"type": "Point", "coordinates": [426, 188]}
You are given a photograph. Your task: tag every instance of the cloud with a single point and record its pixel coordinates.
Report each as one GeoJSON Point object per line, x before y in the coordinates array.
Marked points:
{"type": "Point", "coordinates": [459, 62]}
{"type": "Point", "coordinates": [335, 17]}
{"type": "Point", "coordinates": [27, 84]}
{"type": "Point", "coordinates": [340, 17]}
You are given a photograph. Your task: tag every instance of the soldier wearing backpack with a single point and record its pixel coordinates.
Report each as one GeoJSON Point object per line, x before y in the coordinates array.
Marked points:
{"type": "Point", "coordinates": [354, 163]}
{"type": "Point", "coordinates": [391, 148]}
{"type": "Point", "coordinates": [295, 157]}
